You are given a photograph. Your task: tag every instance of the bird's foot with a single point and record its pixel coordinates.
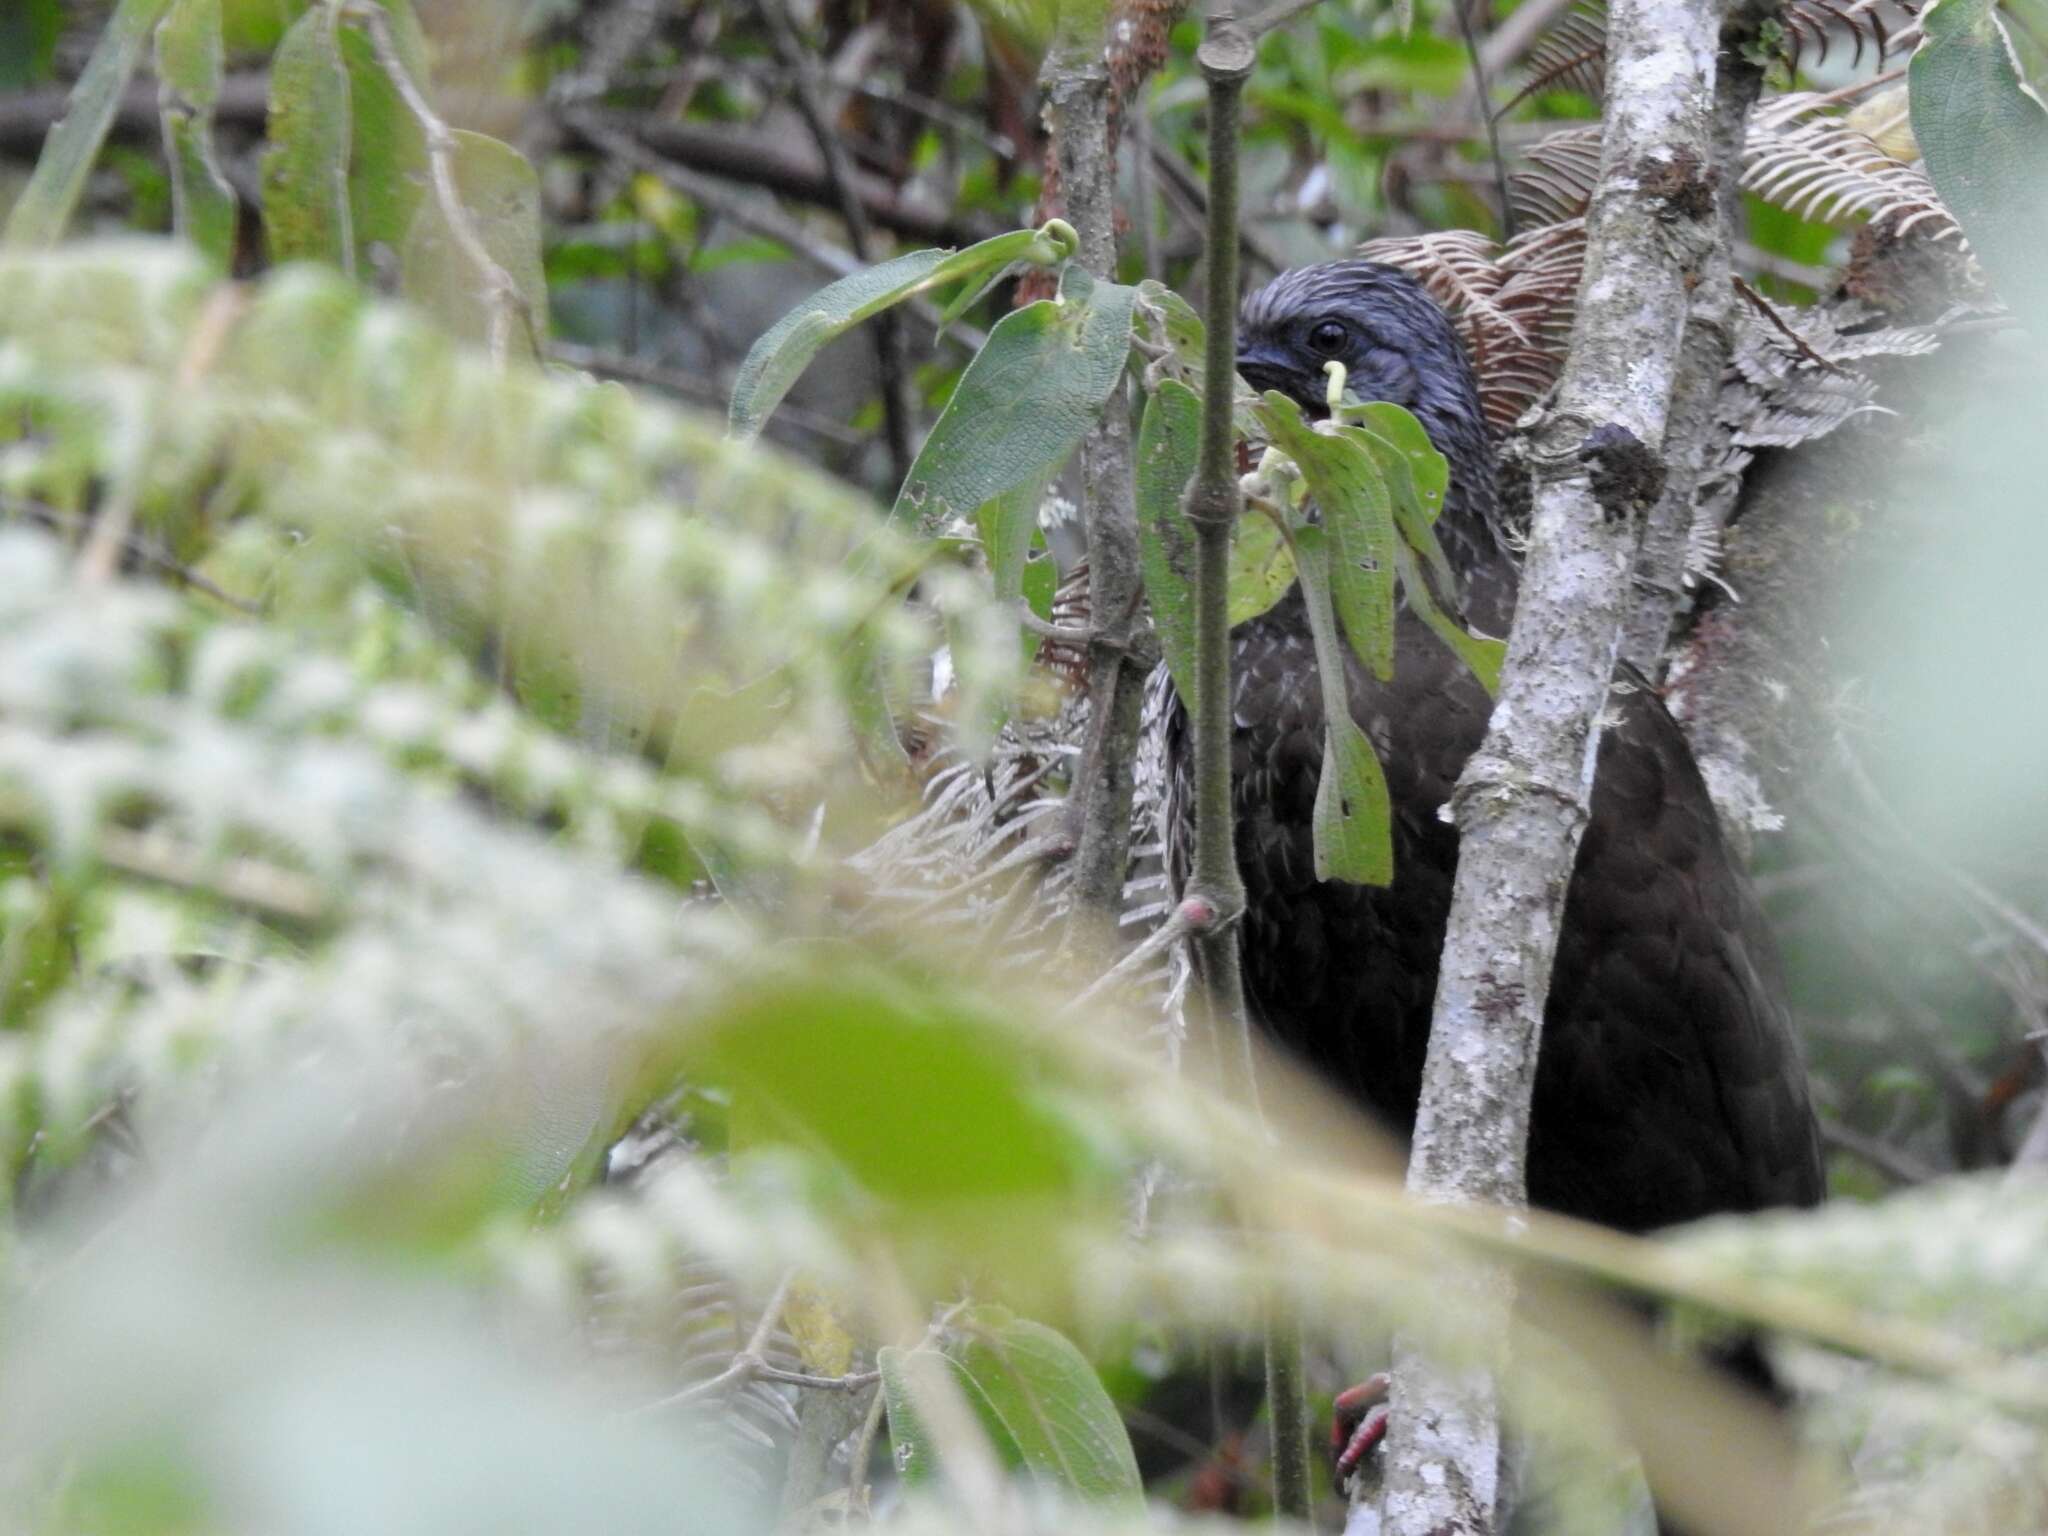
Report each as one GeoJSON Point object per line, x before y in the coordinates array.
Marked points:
{"type": "Point", "coordinates": [1357, 1424]}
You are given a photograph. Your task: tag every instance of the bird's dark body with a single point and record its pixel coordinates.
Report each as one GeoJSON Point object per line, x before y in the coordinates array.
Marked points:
{"type": "Point", "coordinates": [1668, 1083]}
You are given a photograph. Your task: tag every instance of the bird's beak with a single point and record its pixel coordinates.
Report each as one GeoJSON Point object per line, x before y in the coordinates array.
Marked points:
{"type": "Point", "coordinates": [1264, 369]}
{"type": "Point", "coordinates": [1261, 369]}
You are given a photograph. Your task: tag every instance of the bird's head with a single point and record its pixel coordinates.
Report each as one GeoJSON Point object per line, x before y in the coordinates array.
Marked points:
{"type": "Point", "coordinates": [1396, 344]}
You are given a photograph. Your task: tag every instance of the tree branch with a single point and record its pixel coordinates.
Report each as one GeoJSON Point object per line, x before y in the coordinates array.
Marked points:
{"type": "Point", "coordinates": [1077, 110]}
{"type": "Point", "coordinates": [1216, 890]}
{"type": "Point", "coordinates": [1521, 803]}
{"type": "Point", "coordinates": [1709, 337]}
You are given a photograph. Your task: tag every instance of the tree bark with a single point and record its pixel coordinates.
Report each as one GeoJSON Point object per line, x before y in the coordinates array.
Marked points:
{"type": "Point", "coordinates": [1521, 803]}
{"type": "Point", "coordinates": [1077, 110]}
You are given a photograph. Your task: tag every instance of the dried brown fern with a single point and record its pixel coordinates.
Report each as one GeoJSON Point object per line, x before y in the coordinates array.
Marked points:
{"type": "Point", "coordinates": [1557, 182]}
{"type": "Point", "coordinates": [1512, 306]}
{"type": "Point", "coordinates": [1572, 54]}
{"type": "Point", "coordinates": [1813, 164]}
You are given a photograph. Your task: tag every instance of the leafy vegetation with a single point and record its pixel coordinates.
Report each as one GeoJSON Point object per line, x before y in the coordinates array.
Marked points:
{"type": "Point", "coordinates": [531, 918]}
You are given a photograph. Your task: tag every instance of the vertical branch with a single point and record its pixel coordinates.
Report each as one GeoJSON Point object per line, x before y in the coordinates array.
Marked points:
{"type": "Point", "coordinates": [1077, 108]}
{"type": "Point", "coordinates": [1216, 890]}
{"type": "Point", "coordinates": [1709, 338]}
{"type": "Point", "coordinates": [1522, 801]}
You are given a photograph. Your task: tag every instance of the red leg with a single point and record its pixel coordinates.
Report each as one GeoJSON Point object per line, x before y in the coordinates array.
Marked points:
{"type": "Point", "coordinates": [1358, 1424]}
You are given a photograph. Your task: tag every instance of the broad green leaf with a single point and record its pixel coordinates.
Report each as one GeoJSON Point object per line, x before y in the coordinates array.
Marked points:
{"type": "Point", "coordinates": [1009, 524]}
{"type": "Point", "coordinates": [44, 209]}
{"type": "Point", "coordinates": [188, 51]}
{"type": "Point", "coordinates": [1483, 656]}
{"type": "Point", "coordinates": [1261, 567]}
{"type": "Point", "coordinates": [778, 359]}
{"type": "Point", "coordinates": [305, 172]}
{"type": "Point", "coordinates": [1185, 332]}
{"type": "Point", "coordinates": [915, 1452]}
{"type": "Point", "coordinates": [1353, 817]}
{"type": "Point", "coordinates": [188, 61]}
{"type": "Point", "coordinates": [387, 170]}
{"type": "Point", "coordinates": [1168, 439]}
{"type": "Point", "coordinates": [1416, 475]}
{"type": "Point", "coordinates": [501, 196]}
{"type": "Point", "coordinates": [970, 1132]}
{"type": "Point", "coordinates": [1041, 577]}
{"type": "Point", "coordinates": [1028, 397]}
{"type": "Point", "coordinates": [1983, 135]}
{"type": "Point", "coordinates": [1358, 520]}
{"type": "Point", "coordinates": [1046, 1410]}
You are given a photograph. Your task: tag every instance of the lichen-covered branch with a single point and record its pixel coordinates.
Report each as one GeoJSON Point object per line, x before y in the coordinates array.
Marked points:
{"type": "Point", "coordinates": [1521, 803]}
{"type": "Point", "coordinates": [1077, 109]}
{"type": "Point", "coordinates": [1709, 338]}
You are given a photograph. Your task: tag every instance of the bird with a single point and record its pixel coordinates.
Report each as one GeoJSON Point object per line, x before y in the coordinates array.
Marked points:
{"type": "Point", "coordinates": [1669, 1083]}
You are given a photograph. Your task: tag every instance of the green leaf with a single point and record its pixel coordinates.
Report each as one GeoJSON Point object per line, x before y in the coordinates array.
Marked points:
{"type": "Point", "coordinates": [1353, 816]}
{"type": "Point", "coordinates": [1185, 332]}
{"type": "Point", "coordinates": [778, 359]}
{"type": "Point", "coordinates": [1008, 525]}
{"type": "Point", "coordinates": [44, 209]}
{"type": "Point", "coordinates": [387, 171]}
{"type": "Point", "coordinates": [916, 1453]}
{"type": "Point", "coordinates": [1028, 397]}
{"type": "Point", "coordinates": [501, 195]}
{"type": "Point", "coordinates": [1046, 1410]}
{"type": "Point", "coordinates": [969, 1129]}
{"type": "Point", "coordinates": [1358, 521]}
{"type": "Point", "coordinates": [1261, 567]}
{"type": "Point", "coordinates": [1405, 442]}
{"type": "Point", "coordinates": [1168, 439]}
{"type": "Point", "coordinates": [1041, 578]}
{"type": "Point", "coordinates": [1483, 656]}
{"type": "Point", "coordinates": [305, 172]}
{"type": "Point", "coordinates": [1983, 135]}
{"type": "Point", "coordinates": [188, 61]}
{"type": "Point", "coordinates": [188, 51]}
{"type": "Point", "coordinates": [1416, 475]}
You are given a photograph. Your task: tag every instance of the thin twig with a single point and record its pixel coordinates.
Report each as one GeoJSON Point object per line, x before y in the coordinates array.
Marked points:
{"type": "Point", "coordinates": [1045, 629]}
{"type": "Point", "coordinates": [272, 892]}
{"type": "Point", "coordinates": [1277, 14]}
{"type": "Point", "coordinates": [149, 553]}
{"type": "Point", "coordinates": [852, 1382]}
{"type": "Point", "coordinates": [1764, 307]}
{"type": "Point", "coordinates": [888, 329]}
{"type": "Point", "coordinates": [747, 1365]}
{"type": "Point", "coordinates": [1190, 188]}
{"type": "Point", "coordinates": [762, 219]}
{"type": "Point", "coordinates": [113, 528]}
{"type": "Point", "coordinates": [1461, 9]}
{"type": "Point", "coordinates": [1899, 1166]}
{"type": "Point", "coordinates": [1187, 919]}
{"type": "Point", "coordinates": [500, 293]}
{"type": "Point", "coordinates": [634, 370]}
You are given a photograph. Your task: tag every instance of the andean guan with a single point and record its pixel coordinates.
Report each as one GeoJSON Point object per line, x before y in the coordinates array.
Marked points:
{"type": "Point", "coordinates": [1668, 1083]}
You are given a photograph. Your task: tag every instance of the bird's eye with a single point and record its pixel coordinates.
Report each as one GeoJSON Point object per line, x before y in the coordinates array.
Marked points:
{"type": "Point", "coordinates": [1328, 338]}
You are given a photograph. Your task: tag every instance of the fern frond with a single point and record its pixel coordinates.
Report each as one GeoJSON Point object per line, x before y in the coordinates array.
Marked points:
{"type": "Point", "coordinates": [1819, 167]}
{"type": "Point", "coordinates": [1570, 56]}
